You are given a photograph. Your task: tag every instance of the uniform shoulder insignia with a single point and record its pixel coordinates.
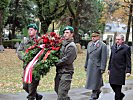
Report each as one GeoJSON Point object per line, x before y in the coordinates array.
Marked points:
{"type": "Point", "coordinates": [90, 43]}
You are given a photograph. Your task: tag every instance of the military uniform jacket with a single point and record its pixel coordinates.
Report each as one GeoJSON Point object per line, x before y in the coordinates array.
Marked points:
{"type": "Point", "coordinates": [26, 43]}
{"type": "Point", "coordinates": [119, 64]}
{"type": "Point", "coordinates": [68, 55]}
{"type": "Point", "coordinates": [95, 62]}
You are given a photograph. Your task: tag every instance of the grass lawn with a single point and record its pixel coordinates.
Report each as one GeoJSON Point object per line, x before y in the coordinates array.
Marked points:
{"type": "Point", "coordinates": [11, 73]}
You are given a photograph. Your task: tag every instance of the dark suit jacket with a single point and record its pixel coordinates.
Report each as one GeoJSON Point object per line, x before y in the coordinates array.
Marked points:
{"type": "Point", "coordinates": [119, 64]}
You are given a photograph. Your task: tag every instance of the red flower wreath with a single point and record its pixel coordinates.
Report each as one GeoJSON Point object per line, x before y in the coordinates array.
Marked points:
{"type": "Point", "coordinates": [46, 51]}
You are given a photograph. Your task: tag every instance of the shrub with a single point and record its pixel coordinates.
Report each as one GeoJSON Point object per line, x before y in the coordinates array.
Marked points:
{"type": "Point", "coordinates": [11, 43]}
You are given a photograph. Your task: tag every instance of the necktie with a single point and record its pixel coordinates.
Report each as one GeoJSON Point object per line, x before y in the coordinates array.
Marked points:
{"type": "Point", "coordinates": [118, 46]}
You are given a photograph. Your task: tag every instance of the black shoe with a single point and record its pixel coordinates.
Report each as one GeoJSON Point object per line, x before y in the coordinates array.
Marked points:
{"type": "Point", "coordinates": [122, 95]}
{"type": "Point", "coordinates": [94, 96]}
{"type": "Point", "coordinates": [98, 93]}
{"type": "Point", "coordinates": [92, 99]}
{"type": "Point", "coordinates": [39, 97]}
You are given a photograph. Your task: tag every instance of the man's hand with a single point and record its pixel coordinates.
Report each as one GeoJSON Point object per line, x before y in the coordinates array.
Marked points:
{"type": "Point", "coordinates": [108, 72]}
{"type": "Point", "coordinates": [102, 71]}
{"type": "Point", "coordinates": [85, 69]}
{"type": "Point", "coordinates": [56, 64]}
{"type": "Point", "coordinates": [128, 74]}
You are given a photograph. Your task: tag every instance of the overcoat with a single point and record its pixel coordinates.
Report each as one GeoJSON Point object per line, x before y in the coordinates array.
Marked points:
{"type": "Point", "coordinates": [119, 64]}
{"type": "Point", "coordinates": [96, 60]}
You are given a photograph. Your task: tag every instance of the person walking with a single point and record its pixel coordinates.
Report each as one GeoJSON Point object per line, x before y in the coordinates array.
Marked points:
{"type": "Point", "coordinates": [30, 88]}
{"type": "Point", "coordinates": [119, 66]}
{"type": "Point", "coordinates": [64, 67]}
{"type": "Point", "coordinates": [95, 64]}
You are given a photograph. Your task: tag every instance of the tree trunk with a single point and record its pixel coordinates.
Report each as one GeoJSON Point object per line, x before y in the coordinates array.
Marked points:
{"type": "Point", "coordinates": [14, 19]}
{"type": "Point", "coordinates": [53, 27]}
{"type": "Point", "coordinates": [129, 23]}
{"type": "Point", "coordinates": [76, 17]}
{"type": "Point", "coordinates": [132, 26]}
{"type": "Point", "coordinates": [45, 25]}
{"type": "Point", "coordinates": [13, 29]}
{"type": "Point", "coordinates": [71, 21]}
{"type": "Point", "coordinates": [76, 35]}
{"type": "Point", "coordinates": [132, 33]}
{"type": "Point", "coordinates": [1, 19]}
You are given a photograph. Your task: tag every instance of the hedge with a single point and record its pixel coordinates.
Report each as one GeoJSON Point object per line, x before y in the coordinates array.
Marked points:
{"type": "Point", "coordinates": [11, 43]}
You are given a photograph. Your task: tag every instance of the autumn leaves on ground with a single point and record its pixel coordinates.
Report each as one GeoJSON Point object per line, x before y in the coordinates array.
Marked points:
{"type": "Point", "coordinates": [11, 73]}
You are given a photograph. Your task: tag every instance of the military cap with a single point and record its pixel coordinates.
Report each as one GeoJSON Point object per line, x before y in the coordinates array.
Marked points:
{"type": "Point", "coordinates": [95, 34]}
{"type": "Point", "coordinates": [32, 26]}
{"type": "Point", "coordinates": [68, 28]}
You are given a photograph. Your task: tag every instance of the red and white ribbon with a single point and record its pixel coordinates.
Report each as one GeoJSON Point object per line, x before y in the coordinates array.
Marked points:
{"type": "Point", "coordinates": [28, 71]}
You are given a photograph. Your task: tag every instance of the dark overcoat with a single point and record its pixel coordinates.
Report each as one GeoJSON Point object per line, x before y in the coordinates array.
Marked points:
{"type": "Point", "coordinates": [119, 64]}
{"type": "Point", "coordinates": [95, 62]}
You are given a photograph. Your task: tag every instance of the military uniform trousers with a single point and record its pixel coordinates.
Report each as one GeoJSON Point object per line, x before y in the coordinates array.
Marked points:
{"type": "Point", "coordinates": [62, 85]}
{"type": "Point", "coordinates": [31, 89]}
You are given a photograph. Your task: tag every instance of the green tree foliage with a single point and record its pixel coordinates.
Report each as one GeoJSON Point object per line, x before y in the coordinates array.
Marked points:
{"type": "Point", "coordinates": [75, 8]}
{"type": "Point", "coordinates": [21, 13]}
{"type": "Point", "coordinates": [3, 10]}
{"type": "Point", "coordinates": [85, 15]}
{"type": "Point", "coordinates": [81, 14]}
{"type": "Point", "coordinates": [91, 15]}
{"type": "Point", "coordinates": [49, 10]}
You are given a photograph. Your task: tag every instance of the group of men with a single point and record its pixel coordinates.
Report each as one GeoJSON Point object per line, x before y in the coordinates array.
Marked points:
{"type": "Point", "coordinates": [96, 59]}
{"type": "Point", "coordinates": [64, 67]}
{"type": "Point", "coordinates": [118, 68]}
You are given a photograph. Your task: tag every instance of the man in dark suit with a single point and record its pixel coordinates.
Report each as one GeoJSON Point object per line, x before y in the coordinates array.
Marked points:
{"type": "Point", "coordinates": [119, 66]}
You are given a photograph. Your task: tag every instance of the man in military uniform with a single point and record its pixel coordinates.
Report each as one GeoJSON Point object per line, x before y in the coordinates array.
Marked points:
{"type": "Point", "coordinates": [30, 88]}
{"type": "Point", "coordinates": [64, 67]}
{"type": "Point", "coordinates": [95, 64]}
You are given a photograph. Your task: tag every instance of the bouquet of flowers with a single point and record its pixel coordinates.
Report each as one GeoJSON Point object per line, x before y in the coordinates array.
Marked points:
{"type": "Point", "coordinates": [41, 56]}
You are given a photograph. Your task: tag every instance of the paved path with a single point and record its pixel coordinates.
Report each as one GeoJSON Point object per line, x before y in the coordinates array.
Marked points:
{"type": "Point", "coordinates": [77, 94]}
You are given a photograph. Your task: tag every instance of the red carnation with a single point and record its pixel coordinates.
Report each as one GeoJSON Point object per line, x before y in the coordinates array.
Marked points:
{"type": "Point", "coordinates": [52, 34]}
{"type": "Point", "coordinates": [45, 40]}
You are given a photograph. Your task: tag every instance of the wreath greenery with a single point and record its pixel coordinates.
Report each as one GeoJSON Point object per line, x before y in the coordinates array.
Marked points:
{"type": "Point", "coordinates": [52, 42]}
